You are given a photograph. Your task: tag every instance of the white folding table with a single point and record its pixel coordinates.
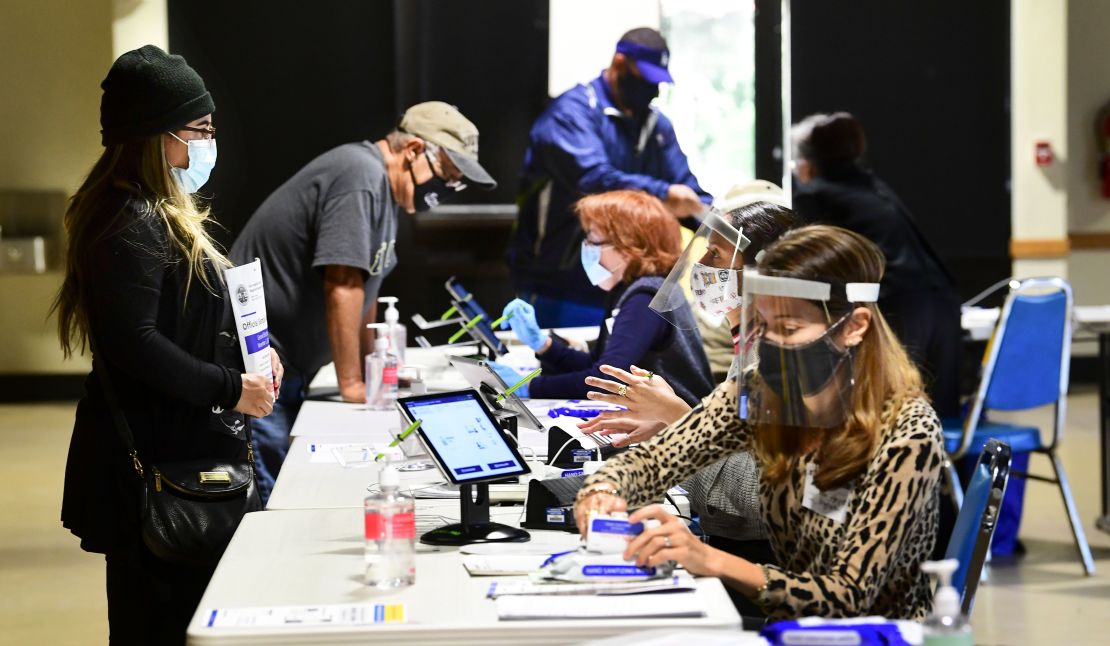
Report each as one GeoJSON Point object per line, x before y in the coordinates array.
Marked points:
{"type": "Point", "coordinates": [315, 557]}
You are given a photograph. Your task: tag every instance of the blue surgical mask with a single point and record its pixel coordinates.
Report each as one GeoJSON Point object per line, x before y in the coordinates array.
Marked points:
{"type": "Point", "coordinates": [202, 158]}
{"type": "Point", "coordinates": [591, 262]}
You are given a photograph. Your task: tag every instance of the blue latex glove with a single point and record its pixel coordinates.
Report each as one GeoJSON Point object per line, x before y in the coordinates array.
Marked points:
{"type": "Point", "coordinates": [523, 322]}
{"type": "Point", "coordinates": [510, 376]}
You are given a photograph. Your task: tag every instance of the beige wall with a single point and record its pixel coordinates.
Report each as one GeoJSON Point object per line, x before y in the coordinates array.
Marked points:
{"type": "Point", "coordinates": [56, 52]}
{"type": "Point", "coordinates": [1040, 113]}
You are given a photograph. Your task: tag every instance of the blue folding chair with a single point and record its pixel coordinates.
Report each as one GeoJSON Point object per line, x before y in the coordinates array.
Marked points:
{"type": "Point", "coordinates": [1025, 366]}
{"type": "Point", "coordinates": [971, 537]}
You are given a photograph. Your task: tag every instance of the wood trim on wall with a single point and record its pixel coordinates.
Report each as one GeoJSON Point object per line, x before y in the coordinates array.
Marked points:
{"type": "Point", "coordinates": [1040, 248]}
{"type": "Point", "coordinates": [1092, 240]}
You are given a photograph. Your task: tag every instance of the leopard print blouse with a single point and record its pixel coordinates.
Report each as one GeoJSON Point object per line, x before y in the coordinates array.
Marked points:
{"type": "Point", "coordinates": [866, 564]}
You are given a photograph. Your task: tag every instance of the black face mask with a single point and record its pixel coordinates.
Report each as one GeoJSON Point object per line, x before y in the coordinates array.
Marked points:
{"type": "Point", "coordinates": [803, 370]}
{"type": "Point", "coordinates": [636, 93]}
{"type": "Point", "coordinates": [431, 193]}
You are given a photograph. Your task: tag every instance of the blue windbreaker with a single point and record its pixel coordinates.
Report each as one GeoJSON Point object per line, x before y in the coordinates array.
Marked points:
{"type": "Point", "coordinates": [584, 144]}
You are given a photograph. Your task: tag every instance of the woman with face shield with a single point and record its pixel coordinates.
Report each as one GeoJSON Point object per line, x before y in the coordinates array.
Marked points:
{"type": "Point", "coordinates": [725, 494]}
{"type": "Point", "coordinates": [631, 243]}
{"type": "Point", "coordinates": [848, 447]}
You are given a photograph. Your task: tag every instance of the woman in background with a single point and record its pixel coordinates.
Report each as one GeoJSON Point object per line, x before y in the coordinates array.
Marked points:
{"type": "Point", "coordinates": [631, 244]}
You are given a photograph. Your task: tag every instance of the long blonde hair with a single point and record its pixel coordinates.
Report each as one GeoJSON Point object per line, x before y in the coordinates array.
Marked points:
{"type": "Point", "coordinates": [139, 168]}
{"type": "Point", "coordinates": [884, 374]}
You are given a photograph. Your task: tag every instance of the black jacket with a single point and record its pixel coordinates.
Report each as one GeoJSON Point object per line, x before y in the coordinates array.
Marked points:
{"type": "Point", "coordinates": [160, 348]}
{"type": "Point", "coordinates": [857, 200]}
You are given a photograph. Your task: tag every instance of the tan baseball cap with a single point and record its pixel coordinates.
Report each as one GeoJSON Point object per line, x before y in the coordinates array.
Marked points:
{"type": "Point", "coordinates": [443, 125]}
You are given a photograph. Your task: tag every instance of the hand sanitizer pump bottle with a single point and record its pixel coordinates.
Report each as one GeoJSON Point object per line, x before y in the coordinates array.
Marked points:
{"type": "Point", "coordinates": [381, 373]}
{"type": "Point", "coordinates": [947, 626]}
{"type": "Point", "coordinates": [390, 534]}
{"type": "Point", "coordinates": [396, 332]}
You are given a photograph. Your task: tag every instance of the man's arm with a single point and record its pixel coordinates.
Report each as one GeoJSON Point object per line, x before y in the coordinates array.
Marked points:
{"type": "Point", "coordinates": [344, 296]}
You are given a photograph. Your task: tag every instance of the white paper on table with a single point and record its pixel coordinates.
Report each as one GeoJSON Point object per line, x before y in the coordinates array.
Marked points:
{"type": "Point", "coordinates": [502, 564]}
{"type": "Point", "coordinates": [681, 604]}
{"type": "Point", "coordinates": [677, 583]}
{"type": "Point", "coordinates": [347, 614]}
{"type": "Point", "coordinates": [350, 453]}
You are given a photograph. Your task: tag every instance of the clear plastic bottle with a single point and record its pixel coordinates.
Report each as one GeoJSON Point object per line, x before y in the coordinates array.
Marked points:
{"type": "Point", "coordinates": [390, 534]}
{"type": "Point", "coordinates": [397, 334]}
{"type": "Point", "coordinates": [381, 373]}
{"type": "Point", "coordinates": [947, 625]}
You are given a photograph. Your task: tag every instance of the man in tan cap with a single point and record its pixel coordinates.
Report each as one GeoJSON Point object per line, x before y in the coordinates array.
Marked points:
{"type": "Point", "coordinates": [326, 238]}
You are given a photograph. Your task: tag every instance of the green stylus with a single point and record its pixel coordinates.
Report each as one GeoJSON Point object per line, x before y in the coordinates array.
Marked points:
{"type": "Point", "coordinates": [502, 319]}
{"type": "Point", "coordinates": [450, 311]}
{"type": "Point", "coordinates": [529, 377]}
{"type": "Point", "coordinates": [400, 438]}
{"type": "Point", "coordinates": [469, 324]}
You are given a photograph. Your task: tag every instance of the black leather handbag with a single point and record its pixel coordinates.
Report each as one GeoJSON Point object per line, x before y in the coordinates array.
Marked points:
{"type": "Point", "coordinates": [188, 510]}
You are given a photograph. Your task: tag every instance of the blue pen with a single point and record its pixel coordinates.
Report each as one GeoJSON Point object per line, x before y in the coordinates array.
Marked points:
{"type": "Point", "coordinates": [551, 559]}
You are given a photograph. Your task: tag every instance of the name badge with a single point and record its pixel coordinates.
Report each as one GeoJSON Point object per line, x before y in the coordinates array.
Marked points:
{"type": "Point", "coordinates": [831, 504]}
{"type": "Point", "coordinates": [612, 319]}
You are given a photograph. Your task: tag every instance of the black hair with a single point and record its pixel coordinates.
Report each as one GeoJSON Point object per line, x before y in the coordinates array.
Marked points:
{"type": "Point", "coordinates": [762, 223]}
{"type": "Point", "coordinates": [833, 140]}
{"type": "Point", "coordinates": [645, 36]}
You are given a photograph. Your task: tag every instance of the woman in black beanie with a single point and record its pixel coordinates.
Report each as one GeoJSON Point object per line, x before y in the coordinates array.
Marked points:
{"type": "Point", "coordinates": [143, 286]}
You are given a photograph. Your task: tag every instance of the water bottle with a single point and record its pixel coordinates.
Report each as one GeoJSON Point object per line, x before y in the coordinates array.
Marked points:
{"type": "Point", "coordinates": [390, 534]}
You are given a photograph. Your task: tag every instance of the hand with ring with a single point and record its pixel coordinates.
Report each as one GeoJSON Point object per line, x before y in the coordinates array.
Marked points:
{"type": "Point", "coordinates": [672, 540]}
{"type": "Point", "coordinates": [650, 402]}
{"type": "Point", "coordinates": [600, 502]}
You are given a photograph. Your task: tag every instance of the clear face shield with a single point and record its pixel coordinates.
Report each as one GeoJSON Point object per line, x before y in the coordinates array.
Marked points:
{"type": "Point", "coordinates": [706, 278]}
{"type": "Point", "coordinates": [796, 368]}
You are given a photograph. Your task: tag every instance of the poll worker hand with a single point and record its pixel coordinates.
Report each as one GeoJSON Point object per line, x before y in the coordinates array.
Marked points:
{"type": "Point", "coordinates": [672, 540]}
{"type": "Point", "coordinates": [278, 371]}
{"type": "Point", "coordinates": [646, 396]}
{"type": "Point", "coordinates": [683, 201]}
{"type": "Point", "coordinates": [521, 317]}
{"type": "Point", "coordinates": [600, 502]}
{"type": "Point", "coordinates": [631, 431]}
{"type": "Point", "coordinates": [510, 376]}
{"type": "Point", "coordinates": [257, 399]}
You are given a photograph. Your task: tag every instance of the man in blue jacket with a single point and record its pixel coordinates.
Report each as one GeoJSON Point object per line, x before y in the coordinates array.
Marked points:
{"type": "Point", "coordinates": [600, 136]}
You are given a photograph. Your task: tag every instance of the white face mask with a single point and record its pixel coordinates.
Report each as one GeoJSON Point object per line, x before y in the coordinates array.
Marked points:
{"type": "Point", "coordinates": [716, 291]}
{"type": "Point", "coordinates": [202, 159]}
{"type": "Point", "coordinates": [591, 262]}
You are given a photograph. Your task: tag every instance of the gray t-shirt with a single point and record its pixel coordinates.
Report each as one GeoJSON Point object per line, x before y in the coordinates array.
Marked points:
{"type": "Point", "coordinates": [337, 210]}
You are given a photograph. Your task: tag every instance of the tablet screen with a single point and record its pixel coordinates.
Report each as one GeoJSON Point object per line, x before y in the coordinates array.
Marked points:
{"type": "Point", "coordinates": [470, 308]}
{"type": "Point", "coordinates": [463, 437]}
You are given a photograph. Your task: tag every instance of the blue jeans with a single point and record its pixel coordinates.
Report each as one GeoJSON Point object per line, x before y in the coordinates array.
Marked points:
{"type": "Point", "coordinates": [554, 312]}
{"type": "Point", "coordinates": [271, 433]}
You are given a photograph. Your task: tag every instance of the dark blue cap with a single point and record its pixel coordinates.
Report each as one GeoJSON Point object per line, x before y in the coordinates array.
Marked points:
{"type": "Point", "coordinates": [651, 62]}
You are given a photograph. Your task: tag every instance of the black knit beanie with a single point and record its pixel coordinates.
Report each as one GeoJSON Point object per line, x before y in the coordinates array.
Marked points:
{"type": "Point", "coordinates": [148, 91]}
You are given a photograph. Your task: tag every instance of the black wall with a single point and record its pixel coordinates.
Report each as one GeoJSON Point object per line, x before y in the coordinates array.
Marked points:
{"type": "Point", "coordinates": [292, 79]}
{"type": "Point", "coordinates": [930, 83]}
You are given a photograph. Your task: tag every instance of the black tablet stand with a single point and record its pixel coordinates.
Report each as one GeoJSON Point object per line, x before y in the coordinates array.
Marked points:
{"type": "Point", "coordinates": [474, 525]}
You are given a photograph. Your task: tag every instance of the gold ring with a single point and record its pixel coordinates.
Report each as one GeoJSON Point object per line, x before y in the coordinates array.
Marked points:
{"type": "Point", "coordinates": [650, 374]}
{"type": "Point", "coordinates": [623, 390]}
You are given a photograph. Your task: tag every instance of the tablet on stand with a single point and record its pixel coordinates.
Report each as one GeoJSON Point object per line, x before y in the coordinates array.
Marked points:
{"type": "Point", "coordinates": [467, 445]}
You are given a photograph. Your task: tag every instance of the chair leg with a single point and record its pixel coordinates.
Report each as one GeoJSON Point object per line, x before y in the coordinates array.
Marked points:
{"type": "Point", "coordinates": [954, 489]}
{"type": "Point", "coordinates": [1073, 516]}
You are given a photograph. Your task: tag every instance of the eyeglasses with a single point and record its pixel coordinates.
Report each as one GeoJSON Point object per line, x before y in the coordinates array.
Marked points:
{"type": "Point", "coordinates": [434, 156]}
{"type": "Point", "coordinates": [206, 133]}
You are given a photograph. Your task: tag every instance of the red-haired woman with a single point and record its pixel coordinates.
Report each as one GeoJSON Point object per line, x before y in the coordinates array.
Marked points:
{"type": "Point", "coordinates": [631, 244]}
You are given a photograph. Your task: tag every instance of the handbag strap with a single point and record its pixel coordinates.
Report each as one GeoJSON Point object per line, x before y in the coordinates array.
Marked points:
{"type": "Point", "coordinates": [123, 429]}
{"type": "Point", "coordinates": [118, 419]}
